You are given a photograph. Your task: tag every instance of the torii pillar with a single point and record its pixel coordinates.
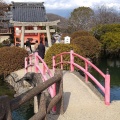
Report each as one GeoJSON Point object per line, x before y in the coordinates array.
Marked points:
{"type": "Point", "coordinates": [22, 36]}
{"type": "Point", "coordinates": [48, 36]}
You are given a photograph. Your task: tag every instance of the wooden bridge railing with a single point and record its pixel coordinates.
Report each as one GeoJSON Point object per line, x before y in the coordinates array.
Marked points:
{"type": "Point", "coordinates": [7, 106]}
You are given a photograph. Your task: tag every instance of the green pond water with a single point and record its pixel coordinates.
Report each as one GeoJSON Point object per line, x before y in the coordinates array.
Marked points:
{"type": "Point", "coordinates": [26, 111]}
{"type": "Point", "coordinates": [114, 70]}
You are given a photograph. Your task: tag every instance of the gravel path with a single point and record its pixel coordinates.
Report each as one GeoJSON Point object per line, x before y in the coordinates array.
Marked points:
{"type": "Point", "coordinates": [80, 103]}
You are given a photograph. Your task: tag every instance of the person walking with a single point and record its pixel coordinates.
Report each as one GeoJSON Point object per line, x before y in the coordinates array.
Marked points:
{"type": "Point", "coordinates": [36, 46]}
{"type": "Point", "coordinates": [41, 49]}
{"type": "Point", "coordinates": [28, 45]}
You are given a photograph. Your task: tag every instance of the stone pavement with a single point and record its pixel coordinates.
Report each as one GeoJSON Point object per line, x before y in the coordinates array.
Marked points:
{"type": "Point", "coordinates": [81, 103]}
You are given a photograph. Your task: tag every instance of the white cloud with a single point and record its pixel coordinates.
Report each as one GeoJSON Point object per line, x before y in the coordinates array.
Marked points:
{"type": "Point", "coordinates": [71, 4]}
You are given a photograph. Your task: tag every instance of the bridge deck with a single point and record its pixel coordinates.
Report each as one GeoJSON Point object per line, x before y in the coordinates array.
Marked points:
{"type": "Point", "coordinates": [80, 103]}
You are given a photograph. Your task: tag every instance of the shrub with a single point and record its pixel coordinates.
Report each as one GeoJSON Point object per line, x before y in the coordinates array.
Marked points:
{"type": "Point", "coordinates": [109, 36]}
{"type": "Point", "coordinates": [59, 48]}
{"type": "Point", "coordinates": [64, 35]}
{"type": "Point", "coordinates": [6, 42]}
{"type": "Point", "coordinates": [79, 34]}
{"type": "Point", "coordinates": [111, 42]}
{"type": "Point", "coordinates": [89, 44]}
{"type": "Point", "coordinates": [11, 59]}
{"type": "Point", "coordinates": [6, 90]}
{"type": "Point", "coordinates": [100, 30]}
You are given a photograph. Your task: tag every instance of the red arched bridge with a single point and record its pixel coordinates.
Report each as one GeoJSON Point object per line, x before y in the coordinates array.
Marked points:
{"type": "Point", "coordinates": [105, 89]}
{"type": "Point", "coordinates": [56, 82]}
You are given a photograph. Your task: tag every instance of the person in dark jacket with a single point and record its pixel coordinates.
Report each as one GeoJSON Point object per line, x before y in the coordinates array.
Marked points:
{"type": "Point", "coordinates": [28, 45]}
{"type": "Point", "coordinates": [36, 46]}
{"type": "Point", "coordinates": [41, 50]}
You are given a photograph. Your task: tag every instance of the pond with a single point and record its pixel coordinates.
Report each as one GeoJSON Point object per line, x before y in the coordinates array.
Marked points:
{"type": "Point", "coordinates": [25, 111]}
{"type": "Point", "coordinates": [113, 65]}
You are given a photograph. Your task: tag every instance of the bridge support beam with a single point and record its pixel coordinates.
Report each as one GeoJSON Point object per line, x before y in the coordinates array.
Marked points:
{"type": "Point", "coordinates": [5, 112]}
{"type": "Point", "coordinates": [35, 104]}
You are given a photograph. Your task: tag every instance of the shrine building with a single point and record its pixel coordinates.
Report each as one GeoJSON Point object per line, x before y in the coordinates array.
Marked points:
{"type": "Point", "coordinates": [30, 21]}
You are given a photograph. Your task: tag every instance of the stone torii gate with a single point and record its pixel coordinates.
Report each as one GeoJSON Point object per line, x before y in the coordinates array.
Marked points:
{"type": "Point", "coordinates": [47, 29]}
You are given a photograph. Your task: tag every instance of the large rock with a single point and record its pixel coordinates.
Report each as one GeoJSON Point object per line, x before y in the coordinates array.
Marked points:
{"type": "Point", "coordinates": [27, 82]}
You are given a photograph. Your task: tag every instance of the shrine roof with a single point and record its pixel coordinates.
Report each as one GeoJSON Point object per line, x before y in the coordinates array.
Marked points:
{"type": "Point", "coordinates": [28, 12]}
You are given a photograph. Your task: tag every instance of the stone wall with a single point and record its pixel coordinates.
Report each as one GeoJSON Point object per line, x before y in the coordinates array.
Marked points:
{"type": "Point", "coordinates": [2, 37]}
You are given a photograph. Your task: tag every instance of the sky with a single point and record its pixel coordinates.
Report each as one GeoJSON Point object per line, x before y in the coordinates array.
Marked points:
{"type": "Point", "coordinates": [64, 7]}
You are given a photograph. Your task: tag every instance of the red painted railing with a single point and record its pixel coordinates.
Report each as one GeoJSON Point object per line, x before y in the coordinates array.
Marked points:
{"type": "Point", "coordinates": [105, 90]}
{"type": "Point", "coordinates": [32, 62]}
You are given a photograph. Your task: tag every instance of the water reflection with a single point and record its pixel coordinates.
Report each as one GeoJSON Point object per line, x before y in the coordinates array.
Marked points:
{"type": "Point", "coordinates": [114, 70]}
{"type": "Point", "coordinates": [25, 112]}
{"type": "Point", "coordinates": [113, 63]}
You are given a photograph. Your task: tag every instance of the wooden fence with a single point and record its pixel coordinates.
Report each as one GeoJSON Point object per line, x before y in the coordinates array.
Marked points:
{"type": "Point", "coordinates": [7, 106]}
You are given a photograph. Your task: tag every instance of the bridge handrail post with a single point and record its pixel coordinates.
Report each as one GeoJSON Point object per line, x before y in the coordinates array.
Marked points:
{"type": "Point", "coordinates": [53, 61]}
{"type": "Point", "coordinates": [86, 70]}
{"type": "Point", "coordinates": [61, 60]}
{"type": "Point", "coordinates": [44, 69]}
{"type": "Point", "coordinates": [30, 57]}
{"type": "Point", "coordinates": [54, 85]}
{"type": "Point", "coordinates": [107, 88]}
{"type": "Point", "coordinates": [26, 69]}
{"type": "Point", "coordinates": [71, 60]}
{"type": "Point", "coordinates": [36, 62]}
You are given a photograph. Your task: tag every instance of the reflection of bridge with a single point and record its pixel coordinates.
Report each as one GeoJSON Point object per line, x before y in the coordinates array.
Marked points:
{"type": "Point", "coordinates": [80, 102]}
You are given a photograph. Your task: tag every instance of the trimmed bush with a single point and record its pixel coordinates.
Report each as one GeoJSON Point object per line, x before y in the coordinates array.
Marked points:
{"type": "Point", "coordinates": [89, 44]}
{"type": "Point", "coordinates": [11, 59]}
{"type": "Point", "coordinates": [79, 34]}
{"type": "Point", "coordinates": [111, 42]}
{"type": "Point", "coordinates": [64, 35]}
{"type": "Point", "coordinates": [59, 48]}
{"type": "Point", "coordinates": [101, 30]}
{"type": "Point", "coordinates": [109, 36]}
